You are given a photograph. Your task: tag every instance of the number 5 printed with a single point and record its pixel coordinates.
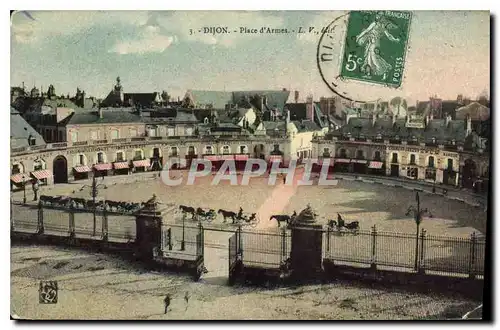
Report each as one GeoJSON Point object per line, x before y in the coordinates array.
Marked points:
{"type": "Point", "coordinates": [351, 63]}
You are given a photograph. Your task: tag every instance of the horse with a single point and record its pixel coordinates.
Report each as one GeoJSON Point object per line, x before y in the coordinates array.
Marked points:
{"type": "Point", "coordinates": [280, 218]}
{"type": "Point", "coordinates": [227, 214]}
{"type": "Point", "coordinates": [187, 209]}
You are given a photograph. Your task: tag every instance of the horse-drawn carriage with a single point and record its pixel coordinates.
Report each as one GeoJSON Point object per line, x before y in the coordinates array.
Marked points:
{"type": "Point", "coordinates": [239, 218]}
{"type": "Point", "coordinates": [341, 226]}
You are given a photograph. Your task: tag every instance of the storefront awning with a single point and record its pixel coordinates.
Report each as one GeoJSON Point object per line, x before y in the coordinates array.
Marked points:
{"type": "Point", "coordinates": [326, 161]}
{"type": "Point", "coordinates": [342, 160]}
{"type": "Point", "coordinates": [120, 165]}
{"type": "Point", "coordinates": [103, 166]}
{"type": "Point", "coordinates": [241, 157]}
{"type": "Point", "coordinates": [141, 163]}
{"type": "Point", "coordinates": [359, 161]}
{"type": "Point", "coordinates": [42, 174]}
{"type": "Point", "coordinates": [376, 165]}
{"type": "Point", "coordinates": [275, 158]}
{"type": "Point", "coordinates": [227, 157]}
{"type": "Point", "coordinates": [82, 169]}
{"type": "Point", "coordinates": [212, 158]}
{"type": "Point", "coordinates": [18, 178]}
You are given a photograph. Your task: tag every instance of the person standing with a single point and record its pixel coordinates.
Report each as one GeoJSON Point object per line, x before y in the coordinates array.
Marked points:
{"type": "Point", "coordinates": [35, 187]}
{"type": "Point", "coordinates": [167, 302]}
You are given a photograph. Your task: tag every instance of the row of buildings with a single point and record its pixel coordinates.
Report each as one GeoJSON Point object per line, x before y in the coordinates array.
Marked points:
{"type": "Point", "coordinates": [64, 138]}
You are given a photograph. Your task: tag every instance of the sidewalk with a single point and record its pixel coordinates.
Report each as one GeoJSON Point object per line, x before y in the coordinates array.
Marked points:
{"type": "Point", "coordinates": [463, 196]}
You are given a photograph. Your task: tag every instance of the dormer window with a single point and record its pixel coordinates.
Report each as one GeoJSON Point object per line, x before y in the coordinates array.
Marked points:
{"type": "Point", "coordinates": [414, 138]}
{"type": "Point", "coordinates": [205, 120]}
{"type": "Point", "coordinates": [433, 140]}
{"type": "Point", "coordinates": [379, 136]}
{"type": "Point", "coordinates": [31, 140]}
{"type": "Point", "coordinates": [453, 142]}
{"type": "Point", "coordinates": [396, 137]}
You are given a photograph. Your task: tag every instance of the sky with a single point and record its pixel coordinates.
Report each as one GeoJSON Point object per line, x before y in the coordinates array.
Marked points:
{"type": "Point", "coordinates": [449, 53]}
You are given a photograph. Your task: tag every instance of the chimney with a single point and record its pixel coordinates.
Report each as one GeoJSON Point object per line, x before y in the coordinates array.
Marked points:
{"type": "Point", "coordinates": [447, 120]}
{"type": "Point", "coordinates": [468, 128]}
{"type": "Point", "coordinates": [287, 120]}
{"type": "Point", "coordinates": [99, 112]}
{"type": "Point", "coordinates": [310, 108]}
{"type": "Point", "coordinates": [296, 96]}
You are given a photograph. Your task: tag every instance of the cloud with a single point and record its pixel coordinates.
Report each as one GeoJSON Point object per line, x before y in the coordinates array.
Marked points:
{"type": "Point", "coordinates": [150, 41]}
{"type": "Point", "coordinates": [59, 23]}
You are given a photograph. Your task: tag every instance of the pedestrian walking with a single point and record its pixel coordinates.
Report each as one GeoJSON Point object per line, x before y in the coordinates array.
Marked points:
{"type": "Point", "coordinates": [186, 299]}
{"type": "Point", "coordinates": [284, 179]}
{"type": "Point", "coordinates": [167, 302]}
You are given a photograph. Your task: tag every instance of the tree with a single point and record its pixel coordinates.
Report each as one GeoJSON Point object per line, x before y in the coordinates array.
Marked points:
{"type": "Point", "coordinates": [164, 96]}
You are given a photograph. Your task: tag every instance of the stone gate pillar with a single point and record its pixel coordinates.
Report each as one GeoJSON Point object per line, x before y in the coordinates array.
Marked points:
{"type": "Point", "coordinates": [149, 228]}
{"type": "Point", "coordinates": [307, 238]}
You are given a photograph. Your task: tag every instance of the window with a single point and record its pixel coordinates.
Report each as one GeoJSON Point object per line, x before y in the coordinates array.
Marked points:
{"type": "Point", "coordinates": [379, 136]}
{"type": "Point", "coordinates": [132, 132]}
{"type": "Point", "coordinates": [74, 136]}
{"type": "Point", "coordinates": [343, 153]}
{"type": "Point", "coordinates": [119, 156]}
{"type": "Point", "coordinates": [191, 151]}
{"type": "Point", "coordinates": [433, 140]}
{"type": "Point", "coordinates": [208, 150]}
{"type": "Point", "coordinates": [276, 147]}
{"type": "Point", "coordinates": [100, 157]}
{"type": "Point", "coordinates": [38, 165]}
{"type": "Point", "coordinates": [326, 152]}
{"type": "Point", "coordinates": [359, 154]}
{"type": "Point", "coordinates": [173, 151]}
{"type": "Point", "coordinates": [430, 174]}
{"type": "Point", "coordinates": [225, 150]}
{"type": "Point", "coordinates": [394, 158]}
{"type": "Point", "coordinates": [31, 140]}
{"type": "Point", "coordinates": [205, 120]}
{"type": "Point", "coordinates": [412, 172]}
{"type": "Point", "coordinates": [115, 134]}
{"type": "Point", "coordinates": [170, 131]}
{"type": "Point", "coordinates": [16, 169]}
{"type": "Point", "coordinates": [60, 136]}
{"type": "Point", "coordinates": [189, 131]}
{"type": "Point", "coordinates": [94, 135]}
{"type": "Point", "coordinates": [138, 154]}
{"type": "Point", "coordinates": [377, 156]}
{"type": "Point", "coordinates": [450, 165]}
{"type": "Point", "coordinates": [431, 162]}
{"type": "Point", "coordinates": [412, 159]}
{"type": "Point", "coordinates": [152, 131]}
{"type": "Point", "coordinates": [156, 152]}
{"type": "Point", "coordinates": [243, 149]}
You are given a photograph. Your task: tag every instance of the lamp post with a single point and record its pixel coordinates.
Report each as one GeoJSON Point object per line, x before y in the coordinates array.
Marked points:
{"type": "Point", "coordinates": [417, 216]}
{"type": "Point", "coordinates": [24, 189]}
{"type": "Point", "coordinates": [183, 243]}
{"type": "Point", "coordinates": [93, 193]}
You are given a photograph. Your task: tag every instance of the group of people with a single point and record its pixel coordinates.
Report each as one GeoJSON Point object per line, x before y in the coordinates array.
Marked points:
{"type": "Point", "coordinates": [168, 300]}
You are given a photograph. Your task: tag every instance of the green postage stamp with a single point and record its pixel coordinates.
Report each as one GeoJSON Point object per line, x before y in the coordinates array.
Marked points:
{"type": "Point", "coordinates": [375, 46]}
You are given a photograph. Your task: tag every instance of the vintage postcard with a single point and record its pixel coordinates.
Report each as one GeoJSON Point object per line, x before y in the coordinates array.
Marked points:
{"type": "Point", "coordinates": [253, 165]}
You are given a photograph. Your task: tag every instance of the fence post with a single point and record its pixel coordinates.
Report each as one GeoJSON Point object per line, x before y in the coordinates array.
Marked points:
{"type": "Point", "coordinates": [421, 264]}
{"type": "Point", "coordinates": [105, 223]}
{"type": "Point", "coordinates": [41, 228]}
{"type": "Point", "coordinates": [239, 242]}
{"type": "Point", "coordinates": [169, 238]}
{"type": "Point", "coordinates": [283, 244]}
{"type": "Point", "coordinates": [373, 265]}
{"type": "Point", "coordinates": [328, 232]}
{"type": "Point", "coordinates": [472, 261]}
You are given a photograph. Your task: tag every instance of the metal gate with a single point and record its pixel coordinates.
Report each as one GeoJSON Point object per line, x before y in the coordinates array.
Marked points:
{"type": "Point", "coordinates": [235, 255]}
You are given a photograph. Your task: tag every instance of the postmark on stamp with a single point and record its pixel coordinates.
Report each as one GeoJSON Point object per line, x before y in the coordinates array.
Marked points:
{"type": "Point", "coordinates": [375, 46]}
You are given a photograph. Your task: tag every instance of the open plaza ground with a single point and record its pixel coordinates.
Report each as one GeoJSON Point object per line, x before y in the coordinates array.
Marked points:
{"type": "Point", "coordinates": [102, 286]}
